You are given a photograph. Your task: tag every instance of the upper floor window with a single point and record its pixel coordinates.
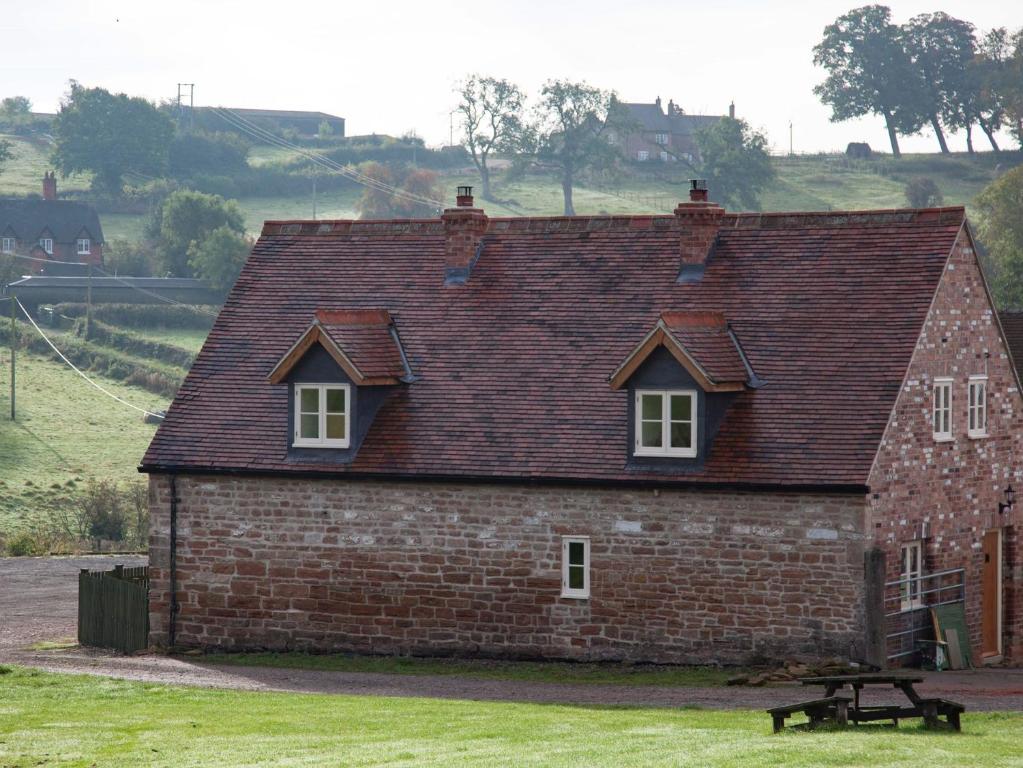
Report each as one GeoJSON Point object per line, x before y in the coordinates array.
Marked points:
{"type": "Point", "coordinates": [46, 243]}
{"type": "Point", "coordinates": [912, 555]}
{"type": "Point", "coordinates": [322, 415]}
{"type": "Point", "coordinates": [942, 409]}
{"type": "Point", "coordinates": [978, 406]}
{"type": "Point", "coordinates": [612, 138]}
{"type": "Point", "coordinates": [84, 246]}
{"type": "Point", "coordinates": [666, 423]}
{"type": "Point", "coordinates": [642, 155]}
{"type": "Point", "coordinates": [661, 138]}
{"type": "Point", "coordinates": [575, 566]}
{"type": "Point", "coordinates": [7, 246]}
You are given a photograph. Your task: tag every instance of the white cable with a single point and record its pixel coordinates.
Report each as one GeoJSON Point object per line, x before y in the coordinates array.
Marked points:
{"type": "Point", "coordinates": [75, 368]}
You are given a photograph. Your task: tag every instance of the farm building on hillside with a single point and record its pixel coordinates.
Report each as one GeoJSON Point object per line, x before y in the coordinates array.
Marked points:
{"type": "Point", "coordinates": [658, 136]}
{"type": "Point", "coordinates": [49, 229]}
{"type": "Point", "coordinates": [699, 437]}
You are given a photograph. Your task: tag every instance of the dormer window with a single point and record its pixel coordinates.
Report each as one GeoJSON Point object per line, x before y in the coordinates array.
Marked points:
{"type": "Point", "coordinates": [84, 246]}
{"type": "Point", "coordinates": [46, 243]}
{"type": "Point", "coordinates": [666, 423]}
{"type": "Point", "coordinates": [321, 416]}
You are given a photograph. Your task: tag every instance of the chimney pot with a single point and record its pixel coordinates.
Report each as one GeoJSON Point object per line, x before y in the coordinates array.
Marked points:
{"type": "Point", "coordinates": [698, 190]}
{"type": "Point", "coordinates": [463, 198]}
{"type": "Point", "coordinates": [731, 110]}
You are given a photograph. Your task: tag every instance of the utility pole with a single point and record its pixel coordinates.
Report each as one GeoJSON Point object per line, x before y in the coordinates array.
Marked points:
{"type": "Point", "coordinates": [191, 104]}
{"type": "Point", "coordinates": [88, 304]}
{"type": "Point", "coordinates": [314, 197]}
{"type": "Point", "coordinates": [14, 331]}
{"type": "Point", "coordinates": [791, 152]}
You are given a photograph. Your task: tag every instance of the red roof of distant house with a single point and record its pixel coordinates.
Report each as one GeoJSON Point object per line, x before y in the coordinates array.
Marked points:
{"type": "Point", "coordinates": [512, 368]}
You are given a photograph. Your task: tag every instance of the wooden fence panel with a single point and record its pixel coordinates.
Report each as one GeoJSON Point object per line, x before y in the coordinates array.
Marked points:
{"type": "Point", "coordinates": [113, 608]}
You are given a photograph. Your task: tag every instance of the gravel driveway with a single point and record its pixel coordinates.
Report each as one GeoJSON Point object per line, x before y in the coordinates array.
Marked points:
{"type": "Point", "coordinates": [38, 601]}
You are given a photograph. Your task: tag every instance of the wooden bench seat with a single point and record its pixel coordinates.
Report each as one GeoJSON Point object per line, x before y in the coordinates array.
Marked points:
{"type": "Point", "coordinates": [931, 709]}
{"type": "Point", "coordinates": [831, 708]}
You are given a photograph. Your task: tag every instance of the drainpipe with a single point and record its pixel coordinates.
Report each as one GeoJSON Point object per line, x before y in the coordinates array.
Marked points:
{"type": "Point", "coordinates": [173, 560]}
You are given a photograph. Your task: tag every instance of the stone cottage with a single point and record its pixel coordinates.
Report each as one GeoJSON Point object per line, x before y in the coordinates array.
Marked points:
{"type": "Point", "coordinates": [699, 437]}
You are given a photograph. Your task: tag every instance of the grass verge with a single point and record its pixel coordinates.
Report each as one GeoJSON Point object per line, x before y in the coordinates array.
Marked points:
{"type": "Point", "coordinates": [78, 721]}
{"type": "Point", "coordinates": [527, 671]}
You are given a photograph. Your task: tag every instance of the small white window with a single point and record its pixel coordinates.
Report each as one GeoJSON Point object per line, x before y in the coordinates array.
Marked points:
{"type": "Point", "coordinates": [46, 243]}
{"type": "Point", "coordinates": [84, 246]}
{"type": "Point", "coordinates": [978, 406]}
{"type": "Point", "coordinates": [942, 409]}
{"type": "Point", "coordinates": [575, 566]}
{"type": "Point", "coordinates": [642, 155]}
{"type": "Point", "coordinates": [322, 415]}
{"type": "Point", "coordinates": [912, 570]}
{"type": "Point", "coordinates": [612, 138]}
{"type": "Point", "coordinates": [8, 245]}
{"type": "Point", "coordinates": [664, 157]}
{"type": "Point", "coordinates": [661, 138]}
{"type": "Point", "coordinates": [666, 423]}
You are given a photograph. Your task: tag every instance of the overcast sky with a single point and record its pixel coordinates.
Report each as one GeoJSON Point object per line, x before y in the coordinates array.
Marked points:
{"type": "Point", "coordinates": [391, 67]}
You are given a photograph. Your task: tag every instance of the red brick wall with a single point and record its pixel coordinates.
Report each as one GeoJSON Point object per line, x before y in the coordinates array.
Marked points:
{"type": "Point", "coordinates": [953, 488]}
{"type": "Point", "coordinates": [446, 568]}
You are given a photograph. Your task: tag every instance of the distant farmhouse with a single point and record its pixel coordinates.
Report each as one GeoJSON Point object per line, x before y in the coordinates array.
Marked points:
{"type": "Point", "coordinates": [49, 229]}
{"type": "Point", "coordinates": [659, 136]}
{"type": "Point", "coordinates": [304, 124]}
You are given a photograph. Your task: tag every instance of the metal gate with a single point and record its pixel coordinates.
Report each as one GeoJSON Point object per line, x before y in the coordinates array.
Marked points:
{"type": "Point", "coordinates": [907, 604]}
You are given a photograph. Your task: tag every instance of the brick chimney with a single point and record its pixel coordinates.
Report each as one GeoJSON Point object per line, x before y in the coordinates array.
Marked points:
{"type": "Point", "coordinates": [464, 227]}
{"type": "Point", "coordinates": [49, 186]}
{"type": "Point", "coordinates": [698, 221]}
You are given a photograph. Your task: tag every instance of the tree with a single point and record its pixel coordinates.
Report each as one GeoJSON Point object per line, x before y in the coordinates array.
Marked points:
{"type": "Point", "coordinates": [129, 257]}
{"type": "Point", "coordinates": [923, 192]}
{"type": "Point", "coordinates": [568, 134]}
{"type": "Point", "coordinates": [940, 48]}
{"type": "Point", "coordinates": [219, 257]}
{"type": "Point", "coordinates": [15, 112]}
{"type": "Point", "coordinates": [5, 153]}
{"type": "Point", "coordinates": [985, 73]}
{"type": "Point", "coordinates": [1000, 229]}
{"type": "Point", "coordinates": [491, 119]}
{"type": "Point", "coordinates": [735, 163]}
{"type": "Point", "coordinates": [398, 193]}
{"type": "Point", "coordinates": [868, 71]}
{"type": "Point", "coordinates": [110, 135]}
{"type": "Point", "coordinates": [186, 217]}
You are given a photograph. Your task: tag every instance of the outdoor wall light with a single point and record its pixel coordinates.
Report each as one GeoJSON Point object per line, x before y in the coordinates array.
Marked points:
{"type": "Point", "coordinates": [1010, 499]}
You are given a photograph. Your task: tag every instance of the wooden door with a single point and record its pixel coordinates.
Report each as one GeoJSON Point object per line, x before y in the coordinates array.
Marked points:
{"type": "Point", "coordinates": [991, 595]}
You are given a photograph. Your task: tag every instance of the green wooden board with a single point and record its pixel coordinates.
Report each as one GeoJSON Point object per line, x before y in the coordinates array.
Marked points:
{"type": "Point", "coordinates": [952, 616]}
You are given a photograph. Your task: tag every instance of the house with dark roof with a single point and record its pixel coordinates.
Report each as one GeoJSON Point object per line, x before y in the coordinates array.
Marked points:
{"type": "Point", "coordinates": [697, 437]}
{"type": "Point", "coordinates": [656, 135]}
{"type": "Point", "coordinates": [49, 229]}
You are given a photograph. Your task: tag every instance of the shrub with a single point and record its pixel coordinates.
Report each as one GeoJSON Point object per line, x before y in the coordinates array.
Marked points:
{"type": "Point", "coordinates": [106, 511]}
{"type": "Point", "coordinates": [25, 545]}
{"type": "Point", "coordinates": [144, 315]}
{"type": "Point", "coordinates": [124, 257]}
{"type": "Point", "coordinates": [923, 192]}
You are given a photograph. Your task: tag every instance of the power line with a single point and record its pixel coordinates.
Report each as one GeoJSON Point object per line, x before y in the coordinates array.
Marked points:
{"type": "Point", "coordinates": [73, 367]}
{"type": "Point", "coordinates": [124, 282]}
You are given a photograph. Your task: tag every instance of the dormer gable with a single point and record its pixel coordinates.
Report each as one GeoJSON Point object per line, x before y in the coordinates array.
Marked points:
{"type": "Point", "coordinates": [703, 343]}
{"type": "Point", "coordinates": [363, 342]}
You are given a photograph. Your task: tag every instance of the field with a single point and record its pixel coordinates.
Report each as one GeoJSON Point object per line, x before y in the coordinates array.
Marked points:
{"type": "Point", "coordinates": [49, 719]}
{"type": "Point", "coordinates": [66, 433]}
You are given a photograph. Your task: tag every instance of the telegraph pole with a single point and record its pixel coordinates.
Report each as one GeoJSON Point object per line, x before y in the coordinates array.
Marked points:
{"type": "Point", "coordinates": [13, 302]}
{"type": "Point", "coordinates": [191, 103]}
{"type": "Point", "coordinates": [88, 304]}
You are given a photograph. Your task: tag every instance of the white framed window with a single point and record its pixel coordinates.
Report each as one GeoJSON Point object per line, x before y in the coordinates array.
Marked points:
{"type": "Point", "coordinates": [942, 409]}
{"type": "Point", "coordinates": [612, 138]}
{"type": "Point", "coordinates": [666, 422]}
{"type": "Point", "coordinates": [46, 243]}
{"type": "Point", "coordinates": [661, 138]}
{"type": "Point", "coordinates": [7, 246]}
{"type": "Point", "coordinates": [322, 415]}
{"type": "Point", "coordinates": [575, 566]}
{"type": "Point", "coordinates": [84, 246]}
{"type": "Point", "coordinates": [664, 157]}
{"type": "Point", "coordinates": [642, 155]}
{"type": "Point", "coordinates": [912, 558]}
{"type": "Point", "coordinates": [978, 406]}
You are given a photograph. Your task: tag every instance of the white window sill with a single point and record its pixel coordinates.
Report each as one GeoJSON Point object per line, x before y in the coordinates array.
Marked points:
{"type": "Point", "coordinates": [943, 439]}
{"type": "Point", "coordinates": [978, 435]}
{"type": "Point", "coordinates": [320, 444]}
{"type": "Point", "coordinates": [665, 454]}
{"type": "Point", "coordinates": [574, 596]}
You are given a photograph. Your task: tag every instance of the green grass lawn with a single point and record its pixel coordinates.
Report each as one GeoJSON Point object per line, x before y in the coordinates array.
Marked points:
{"type": "Point", "coordinates": [75, 721]}
{"type": "Point", "coordinates": [545, 672]}
{"type": "Point", "coordinates": [23, 173]}
{"type": "Point", "coordinates": [186, 338]}
{"type": "Point", "coordinates": [66, 433]}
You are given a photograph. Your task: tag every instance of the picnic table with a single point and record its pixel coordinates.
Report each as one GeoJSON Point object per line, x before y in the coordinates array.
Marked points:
{"type": "Point", "coordinates": [836, 708]}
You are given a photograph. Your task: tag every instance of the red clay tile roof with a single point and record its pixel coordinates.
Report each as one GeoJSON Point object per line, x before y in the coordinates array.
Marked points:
{"type": "Point", "coordinates": [513, 366]}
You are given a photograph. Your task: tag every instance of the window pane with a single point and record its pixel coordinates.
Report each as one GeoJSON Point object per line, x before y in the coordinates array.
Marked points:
{"type": "Point", "coordinates": [682, 434]}
{"type": "Point", "coordinates": [310, 426]}
{"type": "Point", "coordinates": [651, 434]}
{"type": "Point", "coordinates": [310, 400]}
{"type": "Point", "coordinates": [335, 427]}
{"type": "Point", "coordinates": [576, 552]}
{"type": "Point", "coordinates": [335, 401]}
{"type": "Point", "coordinates": [576, 577]}
{"type": "Point", "coordinates": [652, 407]}
{"type": "Point", "coordinates": [681, 407]}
